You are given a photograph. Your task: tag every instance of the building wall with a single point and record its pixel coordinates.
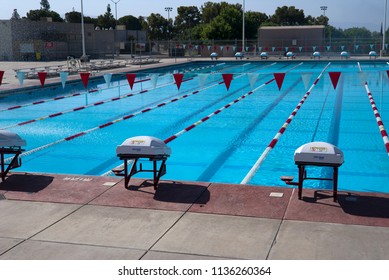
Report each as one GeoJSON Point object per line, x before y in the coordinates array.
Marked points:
{"type": "Point", "coordinates": [6, 40]}
{"type": "Point", "coordinates": [282, 37]}
{"type": "Point", "coordinates": [46, 40]}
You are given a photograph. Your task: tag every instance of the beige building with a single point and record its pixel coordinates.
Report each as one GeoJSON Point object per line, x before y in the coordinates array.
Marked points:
{"type": "Point", "coordinates": [46, 40]}
{"type": "Point", "coordinates": [294, 38]}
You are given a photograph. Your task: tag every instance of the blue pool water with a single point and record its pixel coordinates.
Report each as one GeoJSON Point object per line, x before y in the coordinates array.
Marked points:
{"type": "Point", "coordinates": [224, 148]}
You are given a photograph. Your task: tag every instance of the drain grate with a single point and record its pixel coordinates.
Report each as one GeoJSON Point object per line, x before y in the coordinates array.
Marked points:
{"type": "Point", "coordinates": [276, 194]}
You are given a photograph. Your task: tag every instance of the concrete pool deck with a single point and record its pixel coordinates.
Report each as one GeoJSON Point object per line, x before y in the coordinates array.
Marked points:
{"type": "Point", "coordinates": [45, 216]}
{"type": "Point", "coordinates": [50, 216]}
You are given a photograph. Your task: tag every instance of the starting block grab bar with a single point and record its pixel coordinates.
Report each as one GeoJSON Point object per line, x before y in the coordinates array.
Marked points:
{"type": "Point", "coordinates": [132, 166]}
{"type": "Point", "coordinates": [14, 163]}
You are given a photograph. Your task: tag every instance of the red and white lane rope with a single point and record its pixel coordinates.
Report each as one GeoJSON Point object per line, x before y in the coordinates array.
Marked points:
{"type": "Point", "coordinates": [273, 143]}
{"type": "Point", "coordinates": [171, 138]}
{"type": "Point", "coordinates": [176, 135]}
{"type": "Point", "coordinates": [74, 136]}
{"type": "Point", "coordinates": [82, 107]}
{"type": "Point", "coordinates": [81, 93]}
{"type": "Point", "coordinates": [377, 115]}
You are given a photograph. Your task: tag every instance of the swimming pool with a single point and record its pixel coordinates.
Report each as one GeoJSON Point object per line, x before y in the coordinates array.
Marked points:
{"type": "Point", "coordinates": [225, 147]}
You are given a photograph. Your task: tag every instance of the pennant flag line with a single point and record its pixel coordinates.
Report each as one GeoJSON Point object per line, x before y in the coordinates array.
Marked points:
{"type": "Point", "coordinates": [64, 77]}
{"type": "Point", "coordinates": [279, 77]}
{"type": "Point", "coordinates": [362, 77]}
{"type": "Point", "coordinates": [253, 78]}
{"type": "Point", "coordinates": [108, 78]}
{"type": "Point", "coordinates": [202, 78]}
{"type": "Point", "coordinates": [334, 78]}
{"type": "Point", "coordinates": [178, 78]}
{"type": "Point", "coordinates": [131, 79]}
{"type": "Point", "coordinates": [306, 77]}
{"type": "Point", "coordinates": [227, 80]}
{"type": "Point", "coordinates": [20, 76]}
{"type": "Point", "coordinates": [42, 77]}
{"type": "Point", "coordinates": [154, 80]}
{"type": "Point", "coordinates": [85, 79]}
{"type": "Point", "coordinates": [1, 76]}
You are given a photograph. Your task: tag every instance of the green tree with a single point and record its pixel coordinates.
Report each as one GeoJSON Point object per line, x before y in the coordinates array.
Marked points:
{"type": "Point", "coordinates": [187, 18]}
{"type": "Point", "coordinates": [131, 22]}
{"type": "Point", "coordinates": [221, 21]}
{"type": "Point", "coordinates": [36, 15]}
{"type": "Point", "coordinates": [75, 17]}
{"type": "Point", "coordinates": [158, 27]}
{"type": "Point", "coordinates": [15, 15]}
{"type": "Point", "coordinates": [253, 21]}
{"type": "Point", "coordinates": [45, 5]}
{"type": "Point", "coordinates": [107, 20]}
{"type": "Point", "coordinates": [357, 33]}
{"type": "Point", "coordinates": [288, 16]}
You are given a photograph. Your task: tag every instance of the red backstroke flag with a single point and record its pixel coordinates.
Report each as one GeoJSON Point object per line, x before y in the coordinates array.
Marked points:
{"type": "Point", "coordinates": [227, 80]}
{"type": "Point", "coordinates": [279, 79]}
{"type": "Point", "coordinates": [85, 79]}
{"type": "Point", "coordinates": [1, 76]}
{"type": "Point", "coordinates": [131, 79]}
{"type": "Point", "coordinates": [42, 77]}
{"type": "Point", "coordinates": [334, 78]}
{"type": "Point", "coordinates": [178, 78]}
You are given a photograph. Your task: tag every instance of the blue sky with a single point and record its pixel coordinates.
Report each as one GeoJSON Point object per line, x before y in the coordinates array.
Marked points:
{"type": "Point", "coordinates": [342, 13]}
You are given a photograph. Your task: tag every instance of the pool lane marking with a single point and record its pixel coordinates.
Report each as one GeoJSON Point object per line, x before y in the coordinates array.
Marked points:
{"type": "Point", "coordinates": [81, 93]}
{"type": "Point", "coordinates": [189, 128]}
{"type": "Point", "coordinates": [84, 107]}
{"type": "Point", "coordinates": [74, 136]}
{"type": "Point", "coordinates": [378, 118]}
{"type": "Point", "coordinates": [175, 136]}
{"type": "Point", "coordinates": [98, 103]}
{"type": "Point", "coordinates": [377, 115]}
{"type": "Point", "coordinates": [274, 141]}
{"type": "Point", "coordinates": [52, 99]}
{"type": "Point", "coordinates": [109, 173]}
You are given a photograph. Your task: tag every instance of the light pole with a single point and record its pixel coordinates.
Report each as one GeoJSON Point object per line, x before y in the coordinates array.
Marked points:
{"type": "Point", "coordinates": [384, 29]}
{"type": "Point", "coordinates": [243, 26]}
{"type": "Point", "coordinates": [116, 21]}
{"type": "Point", "coordinates": [324, 9]}
{"type": "Point", "coordinates": [83, 57]}
{"type": "Point", "coordinates": [116, 10]}
{"type": "Point", "coordinates": [168, 10]}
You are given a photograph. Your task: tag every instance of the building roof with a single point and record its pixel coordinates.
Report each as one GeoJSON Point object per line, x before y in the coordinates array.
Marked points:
{"type": "Point", "coordinates": [296, 27]}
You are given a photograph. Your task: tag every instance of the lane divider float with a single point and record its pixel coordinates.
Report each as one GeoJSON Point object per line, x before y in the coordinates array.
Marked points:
{"type": "Point", "coordinates": [274, 141]}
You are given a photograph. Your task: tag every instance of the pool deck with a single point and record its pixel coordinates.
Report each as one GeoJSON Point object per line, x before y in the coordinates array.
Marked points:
{"type": "Point", "coordinates": [51, 216]}
{"type": "Point", "coordinates": [45, 216]}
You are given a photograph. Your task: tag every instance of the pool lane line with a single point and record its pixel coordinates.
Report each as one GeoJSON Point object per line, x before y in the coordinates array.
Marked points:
{"type": "Point", "coordinates": [85, 107]}
{"type": "Point", "coordinates": [53, 99]}
{"type": "Point", "coordinates": [377, 115]}
{"type": "Point", "coordinates": [236, 142]}
{"type": "Point", "coordinates": [96, 103]}
{"type": "Point", "coordinates": [109, 173]}
{"type": "Point", "coordinates": [273, 143]}
{"type": "Point", "coordinates": [189, 128]}
{"type": "Point", "coordinates": [82, 93]}
{"type": "Point", "coordinates": [92, 105]}
{"type": "Point", "coordinates": [175, 136]}
{"type": "Point", "coordinates": [74, 136]}
{"type": "Point", "coordinates": [378, 118]}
